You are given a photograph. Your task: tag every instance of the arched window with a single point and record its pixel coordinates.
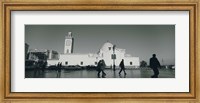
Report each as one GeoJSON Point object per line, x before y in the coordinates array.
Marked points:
{"type": "Point", "coordinates": [95, 63]}
{"type": "Point", "coordinates": [81, 62]}
{"type": "Point", "coordinates": [109, 48]}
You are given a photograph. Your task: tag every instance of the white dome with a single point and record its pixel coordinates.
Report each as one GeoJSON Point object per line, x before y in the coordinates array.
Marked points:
{"type": "Point", "coordinates": [106, 46]}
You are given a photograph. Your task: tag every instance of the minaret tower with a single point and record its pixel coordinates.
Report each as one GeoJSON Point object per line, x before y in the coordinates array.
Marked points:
{"type": "Point", "coordinates": [69, 43]}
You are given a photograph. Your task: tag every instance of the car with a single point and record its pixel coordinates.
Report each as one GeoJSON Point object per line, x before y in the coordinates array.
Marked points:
{"type": "Point", "coordinates": [91, 67]}
{"type": "Point", "coordinates": [52, 67]}
{"type": "Point", "coordinates": [173, 67]}
{"type": "Point", "coordinates": [73, 67]}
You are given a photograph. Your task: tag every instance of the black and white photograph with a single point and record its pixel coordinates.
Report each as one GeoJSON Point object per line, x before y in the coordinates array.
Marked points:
{"type": "Point", "coordinates": [99, 51]}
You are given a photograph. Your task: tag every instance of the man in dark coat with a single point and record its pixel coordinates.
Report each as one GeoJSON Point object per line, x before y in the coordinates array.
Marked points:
{"type": "Point", "coordinates": [100, 68]}
{"type": "Point", "coordinates": [154, 64]}
{"type": "Point", "coordinates": [122, 67]}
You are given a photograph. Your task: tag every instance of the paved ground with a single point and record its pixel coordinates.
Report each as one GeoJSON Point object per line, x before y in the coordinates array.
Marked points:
{"type": "Point", "coordinates": [131, 73]}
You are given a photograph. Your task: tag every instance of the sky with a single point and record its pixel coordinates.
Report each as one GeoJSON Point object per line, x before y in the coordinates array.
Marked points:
{"type": "Point", "coordinates": [139, 40]}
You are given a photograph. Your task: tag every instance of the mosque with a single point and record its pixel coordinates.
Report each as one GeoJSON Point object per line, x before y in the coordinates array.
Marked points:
{"type": "Point", "coordinates": [108, 52]}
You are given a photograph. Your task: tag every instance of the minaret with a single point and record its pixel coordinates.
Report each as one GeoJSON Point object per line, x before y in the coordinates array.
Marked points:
{"type": "Point", "coordinates": [69, 43]}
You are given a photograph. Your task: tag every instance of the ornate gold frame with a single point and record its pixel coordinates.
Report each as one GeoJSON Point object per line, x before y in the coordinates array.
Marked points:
{"type": "Point", "coordinates": [21, 5]}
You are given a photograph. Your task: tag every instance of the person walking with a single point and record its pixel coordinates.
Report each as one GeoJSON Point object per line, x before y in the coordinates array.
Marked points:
{"type": "Point", "coordinates": [154, 64]}
{"type": "Point", "coordinates": [121, 65]}
{"type": "Point", "coordinates": [100, 68]}
{"type": "Point", "coordinates": [59, 65]}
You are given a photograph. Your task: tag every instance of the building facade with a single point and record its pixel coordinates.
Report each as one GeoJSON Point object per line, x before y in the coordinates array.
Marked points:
{"type": "Point", "coordinates": [69, 43]}
{"type": "Point", "coordinates": [108, 52]}
{"type": "Point", "coordinates": [42, 55]}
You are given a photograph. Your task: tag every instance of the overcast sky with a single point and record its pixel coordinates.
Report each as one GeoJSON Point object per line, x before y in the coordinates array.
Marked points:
{"type": "Point", "coordinates": [138, 40]}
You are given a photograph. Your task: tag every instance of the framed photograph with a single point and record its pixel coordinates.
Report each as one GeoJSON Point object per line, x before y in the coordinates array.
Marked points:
{"type": "Point", "coordinates": [127, 50]}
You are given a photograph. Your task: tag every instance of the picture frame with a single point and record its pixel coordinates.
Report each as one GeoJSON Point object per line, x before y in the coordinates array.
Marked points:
{"type": "Point", "coordinates": [119, 5]}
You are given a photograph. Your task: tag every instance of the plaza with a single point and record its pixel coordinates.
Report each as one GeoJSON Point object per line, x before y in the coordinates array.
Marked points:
{"type": "Point", "coordinates": [86, 73]}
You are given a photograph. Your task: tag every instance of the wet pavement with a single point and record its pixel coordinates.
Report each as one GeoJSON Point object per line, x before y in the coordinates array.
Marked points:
{"type": "Point", "coordinates": [85, 73]}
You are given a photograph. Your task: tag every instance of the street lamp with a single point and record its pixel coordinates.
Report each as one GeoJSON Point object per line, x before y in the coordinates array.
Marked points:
{"type": "Point", "coordinates": [114, 57]}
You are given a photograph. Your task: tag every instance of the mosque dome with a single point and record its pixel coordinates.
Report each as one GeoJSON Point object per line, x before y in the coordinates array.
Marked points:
{"type": "Point", "coordinates": [107, 46]}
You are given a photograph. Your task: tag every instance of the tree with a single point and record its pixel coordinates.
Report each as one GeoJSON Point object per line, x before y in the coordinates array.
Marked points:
{"type": "Point", "coordinates": [143, 63]}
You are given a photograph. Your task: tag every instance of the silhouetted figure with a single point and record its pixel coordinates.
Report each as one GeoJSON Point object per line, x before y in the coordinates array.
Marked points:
{"type": "Point", "coordinates": [44, 66]}
{"type": "Point", "coordinates": [154, 64]}
{"type": "Point", "coordinates": [100, 68]}
{"type": "Point", "coordinates": [121, 65]}
{"type": "Point", "coordinates": [59, 67]}
{"type": "Point", "coordinates": [40, 66]}
{"type": "Point", "coordinates": [36, 69]}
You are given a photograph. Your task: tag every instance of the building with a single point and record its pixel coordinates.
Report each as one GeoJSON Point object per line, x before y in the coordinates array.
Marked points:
{"type": "Point", "coordinates": [69, 43]}
{"type": "Point", "coordinates": [42, 55]}
{"type": "Point", "coordinates": [52, 54]}
{"type": "Point", "coordinates": [108, 52]}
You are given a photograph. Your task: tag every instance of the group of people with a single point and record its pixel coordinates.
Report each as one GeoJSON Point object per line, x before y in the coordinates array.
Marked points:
{"type": "Point", "coordinates": [154, 64]}
{"type": "Point", "coordinates": [101, 66]}
{"type": "Point", "coordinates": [59, 67]}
